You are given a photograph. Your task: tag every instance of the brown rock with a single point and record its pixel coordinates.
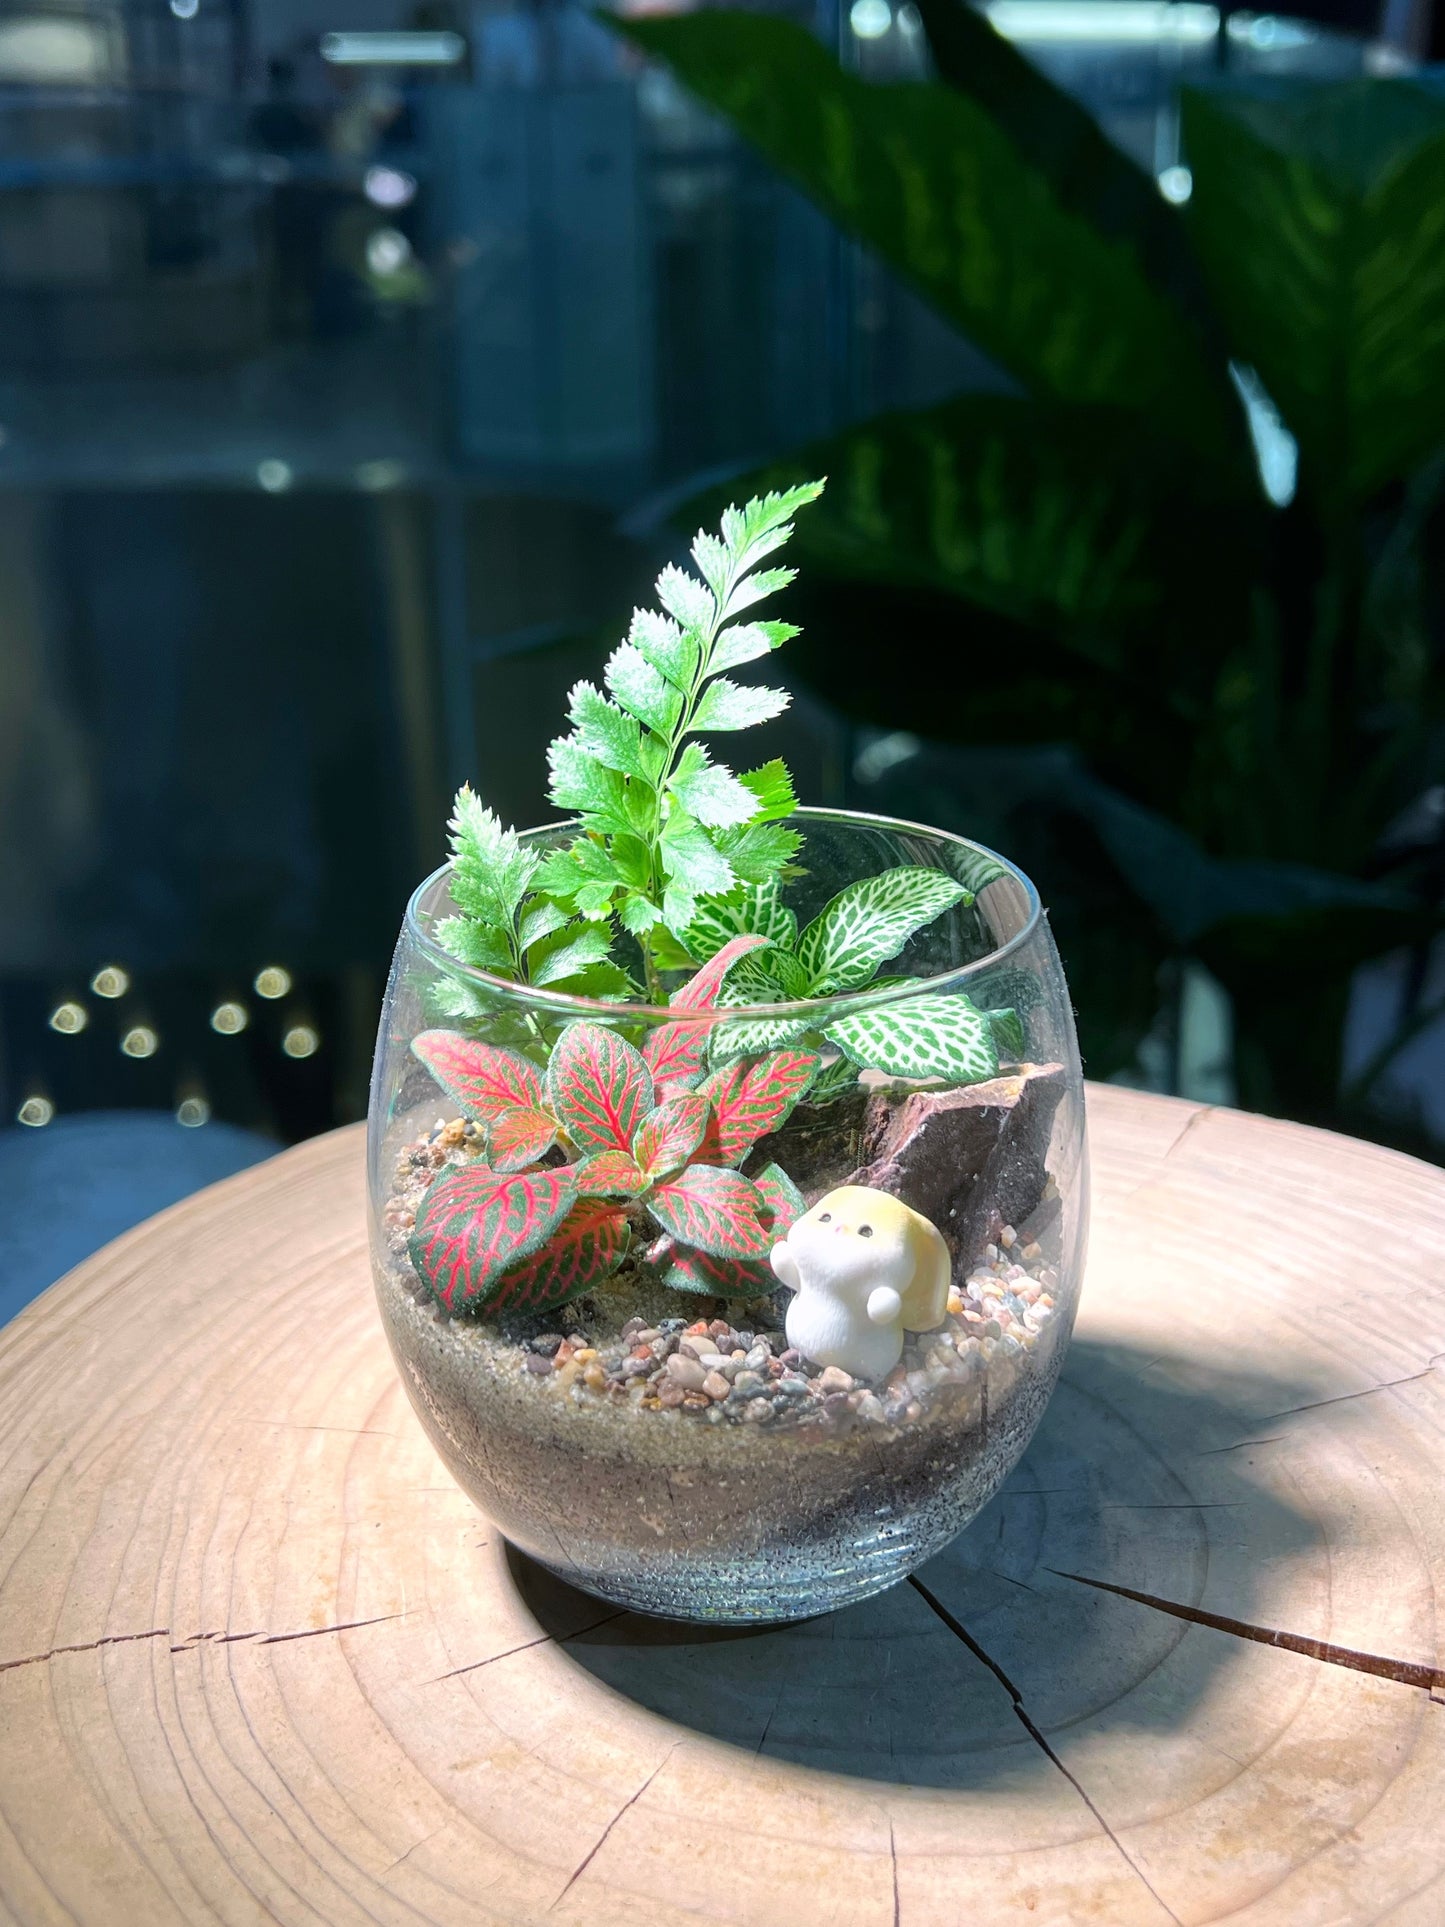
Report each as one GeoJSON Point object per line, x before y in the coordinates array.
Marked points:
{"type": "Point", "coordinates": [961, 1157]}
{"type": "Point", "coordinates": [833, 1379]}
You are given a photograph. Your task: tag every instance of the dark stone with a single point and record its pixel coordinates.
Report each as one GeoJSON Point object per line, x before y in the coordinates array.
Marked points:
{"type": "Point", "coordinates": [546, 1344]}
{"type": "Point", "coordinates": [964, 1158]}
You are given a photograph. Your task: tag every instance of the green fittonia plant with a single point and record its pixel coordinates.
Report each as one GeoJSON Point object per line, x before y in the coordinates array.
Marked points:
{"type": "Point", "coordinates": [594, 1150]}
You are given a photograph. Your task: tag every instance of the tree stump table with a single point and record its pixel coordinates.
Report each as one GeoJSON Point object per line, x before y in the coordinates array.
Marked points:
{"type": "Point", "coordinates": [261, 1661]}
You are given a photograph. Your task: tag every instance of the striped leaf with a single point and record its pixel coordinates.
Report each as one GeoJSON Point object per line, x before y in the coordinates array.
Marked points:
{"type": "Point", "coordinates": [519, 1137]}
{"type": "Point", "coordinates": [712, 1209]}
{"type": "Point", "coordinates": [753, 910]}
{"type": "Point", "coordinates": [782, 1198]}
{"type": "Point", "coordinates": [599, 1088]}
{"type": "Point", "coordinates": [676, 1054]}
{"type": "Point", "coordinates": [1008, 1033]}
{"type": "Point", "coordinates": [588, 1245]}
{"type": "Point", "coordinates": [483, 1078]}
{"type": "Point", "coordinates": [475, 1223]}
{"type": "Point", "coordinates": [870, 922]}
{"type": "Point", "coordinates": [697, 1271]}
{"type": "Point", "coordinates": [751, 1098]}
{"type": "Point", "coordinates": [609, 1174]}
{"type": "Point", "coordinates": [929, 1037]}
{"type": "Point", "coordinates": [667, 1139]}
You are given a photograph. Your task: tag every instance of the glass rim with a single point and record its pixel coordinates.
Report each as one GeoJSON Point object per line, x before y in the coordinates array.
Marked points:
{"type": "Point", "coordinates": [533, 997]}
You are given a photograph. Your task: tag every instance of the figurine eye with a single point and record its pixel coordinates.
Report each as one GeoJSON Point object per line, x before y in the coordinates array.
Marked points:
{"type": "Point", "coordinates": [827, 1218]}
{"type": "Point", "coordinates": [865, 1231]}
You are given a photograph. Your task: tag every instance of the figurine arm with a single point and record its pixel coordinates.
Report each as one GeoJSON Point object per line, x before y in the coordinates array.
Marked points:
{"type": "Point", "coordinates": [785, 1267]}
{"type": "Point", "coordinates": [884, 1305]}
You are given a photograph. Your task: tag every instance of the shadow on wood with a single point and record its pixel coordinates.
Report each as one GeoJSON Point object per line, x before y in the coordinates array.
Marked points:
{"type": "Point", "coordinates": [950, 1679]}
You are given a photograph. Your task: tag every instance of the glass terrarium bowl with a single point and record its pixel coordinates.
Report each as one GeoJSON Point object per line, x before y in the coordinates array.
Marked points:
{"type": "Point", "coordinates": [670, 1449]}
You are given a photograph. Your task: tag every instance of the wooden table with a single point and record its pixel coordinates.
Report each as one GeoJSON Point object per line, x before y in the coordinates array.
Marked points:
{"type": "Point", "coordinates": [262, 1661]}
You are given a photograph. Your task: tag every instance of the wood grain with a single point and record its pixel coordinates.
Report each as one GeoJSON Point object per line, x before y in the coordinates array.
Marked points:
{"type": "Point", "coordinates": [261, 1661]}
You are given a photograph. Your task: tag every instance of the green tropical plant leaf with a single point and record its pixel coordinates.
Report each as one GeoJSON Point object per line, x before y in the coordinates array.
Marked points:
{"type": "Point", "coordinates": [676, 1054]}
{"type": "Point", "coordinates": [713, 1210]}
{"type": "Point", "coordinates": [1008, 1033]}
{"type": "Point", "coordinates": [754, 910]}
{"type": "Point", "coordinates": [483, 1078]}
{"type": "Point", "coordinates": [519, 1137]}
{"type": "Point", "coordinates": [1080, 523]}
{"type": "Point", "coordinates": [924, 1037]}
{"type": "Point", "coordinates": [710, 791]}
{"type": "Point", "coordinates": [713, 1277]}
{"type": "Point", "coordinates": [588, 1245]}
{"type": "Point", "coordinates": [667, 1138]}
{"type": "Point", "coordinates": [751, 1098]}
{"type": "Point", "coordinates": [1319, 221]}
{"type": "Point", "coordinates": [782, 1197]}
{"type": "Point", "coordinates": [598, 1087]}
{"type": "Point", "coordinates": [731, 705]}
{"type": "Point", "coordinates": [1088, 172]}
{"type": "Point", "coordinates": [609, 1174]}
{"type": "Point", "coordinates": [869, 922]}
{"type": "Point", "coordinates": [474, 1223]}
{"type": "Point", "coordinates": [925, 176]}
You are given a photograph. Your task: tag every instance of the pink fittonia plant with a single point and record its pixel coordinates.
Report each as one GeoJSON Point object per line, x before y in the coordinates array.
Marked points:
{"type": "Point", "coordinates": [511, 1231]}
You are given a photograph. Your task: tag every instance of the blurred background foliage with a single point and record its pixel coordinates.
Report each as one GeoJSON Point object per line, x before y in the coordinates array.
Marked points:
{"type": "Point", "coordinates": [360, 365]}
{"type": "Point", "coordinates": [1245, 666]}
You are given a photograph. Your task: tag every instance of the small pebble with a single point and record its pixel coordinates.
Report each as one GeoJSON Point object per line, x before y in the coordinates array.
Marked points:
{"type": "Point", "coordinates": [671, 1396]}
{"type": "Point", "coordinates": [749, 1382]}
{"type": "Point", "coordinates": [715, 1385]}
{"type": "Point", "coordinates": [686, 1372]}
{"type": "Point", "coordinates": [833, 1379]}
{"type": "Point", "coordinates": [535, 1362]}
{"type": "Point", "coordinates": [756, 1411]}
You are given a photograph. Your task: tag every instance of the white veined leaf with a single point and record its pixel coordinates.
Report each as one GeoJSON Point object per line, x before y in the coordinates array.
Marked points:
{"type": "Point", "coordinates": [1008, 1033]}
{"type": "Point", "coordinates": [751, 912]}
{"type": "Point", "coordinates": [753, 588]}
{"type": "Point", "coordinates": [604, 731]}
{"type": "Point", "coordinates": [928, 1037]}
{"type": "Point", "coordinates": [746, 641]}
{"type": "Point", "coordinates": [710, 792]}
{"type": "Point", "coordinates": [870, 922]}
{"type": "Point", "coordinates": [672, 651]}
{"type": "Point", "coordinates": [751, 1036]}
{"type": "Point", "coordinates": [729, 705]}
{"type": "Point", "coordinates": [683, 596]}
{"type": "Point", "coordinates": [641, 689]}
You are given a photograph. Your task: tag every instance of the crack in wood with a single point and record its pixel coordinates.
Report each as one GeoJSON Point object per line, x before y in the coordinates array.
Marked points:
{"type": "Point", "coordinates": [1367, 1391]}
{"type": "Point", "coordinates": [1405, 1672]}
{"type": "Point", "coordinates": [1021, 1713]}
{"type": "Point", "coordinates": [542, 1639]}
{"type": "Point", "coordinates": [193, 1641]}
{"type": "Point", "coordinates": [893, 1856]}
{"type": "Point", "coordinates": [626, 1807]}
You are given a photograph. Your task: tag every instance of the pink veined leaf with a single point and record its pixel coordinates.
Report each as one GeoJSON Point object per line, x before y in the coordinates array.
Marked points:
{"type": "Point", "coordinates": [483, 1078]}
{"type": "Point", "coordinates": [782, 1198]}
{"type": "Point", "coordinates": [717, 1277]}
{"type": "Point", "coordinates": [751, 1097]}
{"type": "Point", "coordinates": [517, 1138]}
{"type": "Point", "coordinates": [590, 1242]}
{"type": "Point", "coordinates": [668, 1137]}
{"type": "Point", "coordinates": [715, 1210]}
{"type": "Point", "coordinates": [676, 1054]}
{"type": "Point", "coordinates": [608, 1174]}
{"type": "Point", "coordinates": [599, 1088]}
{"type": "Point", "coordinates": [475, 1223]}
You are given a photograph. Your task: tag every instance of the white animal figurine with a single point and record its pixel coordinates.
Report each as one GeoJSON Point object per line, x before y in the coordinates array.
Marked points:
{"type": "Point", "coordinates": [865, 1268]}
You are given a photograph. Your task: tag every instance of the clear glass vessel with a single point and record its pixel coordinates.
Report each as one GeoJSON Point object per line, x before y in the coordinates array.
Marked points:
{"type": "Point", "coordinates": [673, 1450]}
